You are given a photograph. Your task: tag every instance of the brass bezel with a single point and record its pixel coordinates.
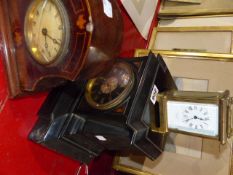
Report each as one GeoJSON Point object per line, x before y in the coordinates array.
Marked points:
{"type": "Point", "coordinates": [114, 103]}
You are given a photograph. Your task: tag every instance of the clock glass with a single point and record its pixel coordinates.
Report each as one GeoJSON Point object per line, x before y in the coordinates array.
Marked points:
{"type": "Point", "coordinates": [197, 118]}
{"type": "Point", "coordinates": [108, 91]}
{"type": "Point", "coordinates": [46, 30]}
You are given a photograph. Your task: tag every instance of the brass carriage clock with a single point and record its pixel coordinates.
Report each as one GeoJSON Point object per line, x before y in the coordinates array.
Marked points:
{"type": "Point", "coordinates": [203, 114]}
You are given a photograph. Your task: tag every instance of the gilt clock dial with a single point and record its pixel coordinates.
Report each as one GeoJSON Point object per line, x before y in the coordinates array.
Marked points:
{"type": "Point", "coordinates": [47, 30]}
{"type": "Point", "coordinates": [197, 118]}
{"type": "Point", "coordinates": [108, 91]}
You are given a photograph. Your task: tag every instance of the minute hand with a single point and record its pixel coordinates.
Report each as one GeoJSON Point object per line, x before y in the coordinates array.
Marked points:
{"type": "Point", "coordinates": [55, 41]}
{"type": "Point", "coordinates": [188, 119]}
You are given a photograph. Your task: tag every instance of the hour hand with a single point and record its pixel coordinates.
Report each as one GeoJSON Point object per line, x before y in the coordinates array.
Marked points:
{"type": "Point", "coordinates": [44, 32]}
{"type": "Point", "coordinates": [46, 44]}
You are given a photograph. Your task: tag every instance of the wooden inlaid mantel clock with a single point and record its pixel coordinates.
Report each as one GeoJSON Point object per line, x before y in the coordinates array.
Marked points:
{"type": "Point", "coordinates": [46, 42]}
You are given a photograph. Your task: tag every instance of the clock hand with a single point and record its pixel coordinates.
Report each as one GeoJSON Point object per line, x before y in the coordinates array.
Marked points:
{"type": "Point", "coordinates": [188, 119]}
{"type": "Point", "coordinates": [202, 119]}
{"type": "Point", "coordinates": [45, 33]}
{"type": "Point", "coordinates": [55, 41]}
{"type": "Point", "coordinates": [46, 44]}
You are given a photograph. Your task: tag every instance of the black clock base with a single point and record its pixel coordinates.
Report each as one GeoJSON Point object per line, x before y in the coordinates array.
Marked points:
{"type": "Point", "coordinates": [69, 126]}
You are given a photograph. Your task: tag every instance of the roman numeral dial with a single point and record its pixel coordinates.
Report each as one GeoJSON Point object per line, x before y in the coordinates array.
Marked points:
{"type": "Point", "coordinates": [46, 30]}
{"type": "Point", "coordinates": [191, 117]}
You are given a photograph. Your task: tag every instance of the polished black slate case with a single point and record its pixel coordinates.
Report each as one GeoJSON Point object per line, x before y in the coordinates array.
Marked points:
{"type": "Point", "coordinates": [68, 125]}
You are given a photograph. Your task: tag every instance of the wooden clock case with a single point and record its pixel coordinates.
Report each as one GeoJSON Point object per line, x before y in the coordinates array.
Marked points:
{"type": "Point", "coordinates": [91, 49]}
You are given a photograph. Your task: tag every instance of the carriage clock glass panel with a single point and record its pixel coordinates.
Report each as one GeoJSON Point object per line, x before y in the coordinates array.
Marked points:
{"type": "Point", "coordinates": [47, 30]}
{"type": "Point", "coordinates": [197, 118]}
{"type": "Point", "coordinates": [108, 91]}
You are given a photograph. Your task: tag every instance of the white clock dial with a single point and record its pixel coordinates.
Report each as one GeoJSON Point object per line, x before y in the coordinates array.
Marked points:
{"type": "Point", "coordinates": [197, 118]}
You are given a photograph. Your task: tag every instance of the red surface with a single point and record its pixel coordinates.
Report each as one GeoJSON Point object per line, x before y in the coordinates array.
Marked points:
{"type": "Point", "coordinates": [17, 117]}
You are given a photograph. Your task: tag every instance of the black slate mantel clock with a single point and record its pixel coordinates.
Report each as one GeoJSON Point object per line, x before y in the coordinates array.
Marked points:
{"type": "Point", "coordinates": [110, 112]}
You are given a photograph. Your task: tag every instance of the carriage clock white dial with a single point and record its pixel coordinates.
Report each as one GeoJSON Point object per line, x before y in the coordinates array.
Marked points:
{"type": "Point", "coordinates": [203, 114]}
{"type": "Point", "coordinates": [199, 118]}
